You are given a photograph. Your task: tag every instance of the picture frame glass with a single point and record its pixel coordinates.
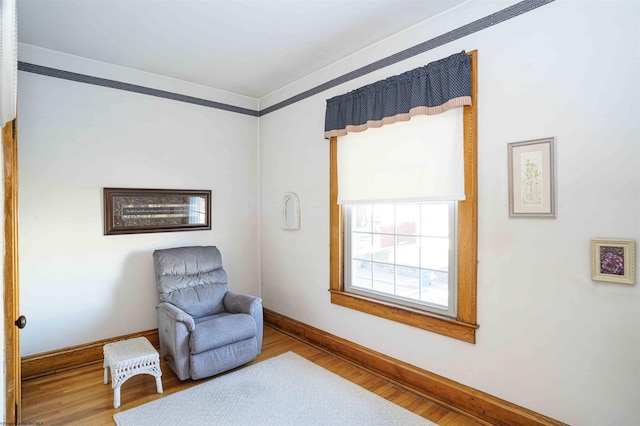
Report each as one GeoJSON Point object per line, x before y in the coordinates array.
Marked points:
{"type": "Point", "coordinates": [532, 178]}
{"type": "Point", "coordinates": [131, 211]}
{"type": "Point", "coordinates": [613, 261]}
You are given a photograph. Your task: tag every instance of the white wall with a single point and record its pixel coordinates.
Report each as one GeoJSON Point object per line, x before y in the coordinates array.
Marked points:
{"type": "Point", "coordinates": [550, 339]}
{"type": "Point", "coordinates": [78, 285]}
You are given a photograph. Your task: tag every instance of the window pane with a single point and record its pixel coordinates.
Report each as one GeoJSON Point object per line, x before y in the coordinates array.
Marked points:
{"type": "Point", "coordinates": [361, 245]}
{"type": "Point", "coordinates": [434, 253]}
{"type": "Point", "coordinates": [408, 219]}
{"type": "Point", "coordinates": [362, 219]}
{"type": "Point", "coordinates": [435, 220]}
{"type": "Point", "coordinates": [383, 278]}
{"type": "Point", "coordinates": [383, 248]}
{"type": "Point", "coordinates": [407, 251]}
{"type": "Point", "coordinates": [361, 272]}
{"type": "Point", "coordinates": [434, 287]}
{"type": "Point", "coordinates": [383, 218]}
{"type": "Point", "coordinates": [384, 241]}
{"type": "Point", "coordinates": [408, 282]}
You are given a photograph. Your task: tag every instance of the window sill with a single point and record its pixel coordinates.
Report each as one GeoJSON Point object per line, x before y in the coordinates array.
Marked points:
{"type": "Point", "coordinates": [445, 326]}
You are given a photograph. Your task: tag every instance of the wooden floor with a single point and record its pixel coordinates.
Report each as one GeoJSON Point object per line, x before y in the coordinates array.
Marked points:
{"type": "Point", "coordinates": [80, 397]}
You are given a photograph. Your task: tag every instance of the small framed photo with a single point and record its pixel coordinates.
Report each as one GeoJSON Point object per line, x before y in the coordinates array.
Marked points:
{"type": "Point", "coordinates": [532, 183]}
{"type": "Point", "coordinates": [613, 261]}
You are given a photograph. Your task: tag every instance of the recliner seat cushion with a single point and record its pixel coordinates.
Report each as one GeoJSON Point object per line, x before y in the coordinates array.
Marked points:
{"type": "Point", "coordinates": [221, 331]}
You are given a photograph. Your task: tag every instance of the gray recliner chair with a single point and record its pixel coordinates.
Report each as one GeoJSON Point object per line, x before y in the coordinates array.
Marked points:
{"type": "Point", "coordinates": [204, 329]}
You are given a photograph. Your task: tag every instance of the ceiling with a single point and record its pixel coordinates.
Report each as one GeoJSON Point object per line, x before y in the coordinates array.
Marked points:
{"type": "Point", "coordinates": [248, 47]}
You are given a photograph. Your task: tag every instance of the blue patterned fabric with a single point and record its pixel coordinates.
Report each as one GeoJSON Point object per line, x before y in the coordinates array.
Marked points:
{"type": "Point", "coordinates": [430, 89]}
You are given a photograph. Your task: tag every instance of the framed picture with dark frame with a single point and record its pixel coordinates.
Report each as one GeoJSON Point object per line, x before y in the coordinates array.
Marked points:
{"type": "Point", "coordinates": [613, 261]}
{"type": "Point", "coordinates": [136, 211]}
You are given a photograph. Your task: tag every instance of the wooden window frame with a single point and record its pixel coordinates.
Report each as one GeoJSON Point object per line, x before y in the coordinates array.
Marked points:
{"type": "Point", "coordinates": [464, 326]}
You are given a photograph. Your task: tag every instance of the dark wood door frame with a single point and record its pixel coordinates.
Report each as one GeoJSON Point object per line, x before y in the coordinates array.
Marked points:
{"type": "Point", "coordinates": [11, 286]}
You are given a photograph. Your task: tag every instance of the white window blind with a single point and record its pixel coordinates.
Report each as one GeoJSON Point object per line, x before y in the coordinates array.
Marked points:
{"type": "Point", "coordinates": [417, 160]}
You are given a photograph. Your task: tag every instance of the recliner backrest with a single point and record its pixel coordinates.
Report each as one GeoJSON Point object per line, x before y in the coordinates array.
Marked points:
{"type": "Point", "coordinates": [192, 278]}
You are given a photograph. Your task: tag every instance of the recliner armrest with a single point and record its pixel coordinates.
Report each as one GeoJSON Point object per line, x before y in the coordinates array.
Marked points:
{"type": "Point", "coordinates": [177, 314]}
{"type": "Point", "coordinates": [241, 303]}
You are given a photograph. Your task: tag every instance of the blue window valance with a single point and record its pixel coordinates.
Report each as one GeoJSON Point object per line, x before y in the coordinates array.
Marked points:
{"type": "Point", "coordinates": [431, 89]}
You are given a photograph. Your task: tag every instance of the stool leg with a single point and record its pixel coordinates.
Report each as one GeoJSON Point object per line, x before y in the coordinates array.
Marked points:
{"type": "Point", "coordinates": [116, 397]}
{"type": "Point", "coordinates": [106, 375]}
{"type": "Point", "coordinates": [159, 384]}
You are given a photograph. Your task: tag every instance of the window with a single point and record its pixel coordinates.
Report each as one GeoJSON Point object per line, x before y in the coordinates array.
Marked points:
{"type": "Point", "coordinates": [385, 257]}
{"type": "Point", "coordinates": [403, 253]}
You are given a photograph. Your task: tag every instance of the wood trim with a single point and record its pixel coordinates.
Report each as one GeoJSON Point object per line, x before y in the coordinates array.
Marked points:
{"type": "Point", "coordinates": [458, 397]}
{"type": "Point", "coordinates": [468, 209]}
{"type": "Point", "coordinates": [11, 273]}
{"type": "Point", "coordinates": [75, 356]}
{"type": "Point", "coordinates": [336, 235]}
{"type": "Point", "coordinates": [464, 326]}
{"type": "Point", "coordinates": [441, 325]}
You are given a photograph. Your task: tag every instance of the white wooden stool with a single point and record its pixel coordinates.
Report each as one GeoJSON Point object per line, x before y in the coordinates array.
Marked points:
{"type": "Point", "coordinates": [127, 358]}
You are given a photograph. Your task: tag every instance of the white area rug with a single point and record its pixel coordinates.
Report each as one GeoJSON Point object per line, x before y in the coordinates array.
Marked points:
{"type": "Point", "coordinates": [285, 390]}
